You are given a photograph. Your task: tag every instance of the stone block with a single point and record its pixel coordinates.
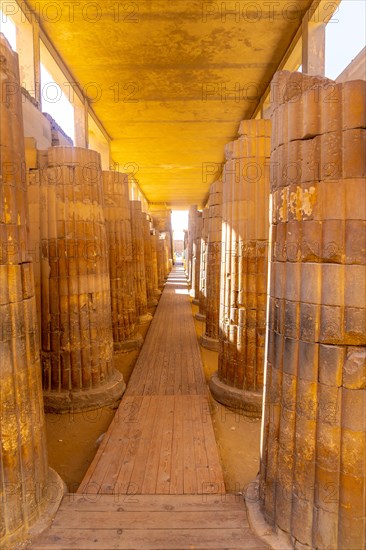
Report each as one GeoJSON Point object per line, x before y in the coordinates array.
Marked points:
{"type": "Point", "coordinates": [355, 242]}
{"type": "Point", "coordinates": [332, 285]}
{"type": "Point", "coordinates": [327, 487]}
{"type": "Point", "coordinates": [354, 101]}
{"type": "Point", "coordinates": [353, 449]}
{"type": "Point", "coordinates": [325, 529]}
{"type": "Point", "coordinates": [308, 361]}
{"type": "Point", "coordinates": [354, 369]}
{"type": "Point", "coordinates": [331, 166]}
{"type": "Point", "coordinates": [330, 107]}
{"type": "Point", "coordinates": [354, 153]}
{"type": "Point", "coordinates": [328, 444]}
{"type": "Point", "coordinates": [332, 242]}
{"type": "Point", "coordinates": [311, 243]}
{"type": "Point", "coordinates": [302, 520]}
{"type": "Point", "coordinates": [311, 283]}
{"type": "Point", "coordinates": [312, 108]}
{"type": "Point", "coordinates": [354, 325]}
{"type": "Point", "coordinates": [351, 528]}
{"type": "Point", "coordinates": [291, 319]}
{"type": "Point", "coordinates": [290, 355]}
{"type": "Point", "coordinates": [354, 285]}
{"type": "Point", "coordinates": [329, 405]}
{"type": "Point", "coordinates": [309, 322]}
{"type": "Point", "coordinates": [331, 325]}
{"type": "Point", "coordinates": [354, 409]}
{"type": "Point", "coordinates": [310, 152]}
{"type": "Point", "coordinates": [331, 359]}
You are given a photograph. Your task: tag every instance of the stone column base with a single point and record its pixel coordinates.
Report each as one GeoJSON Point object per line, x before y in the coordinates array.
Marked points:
{"type": "Point", "coordinates": [145, 318]}
{"type": "Point", "coordinates": [244, 402]}
{"type": "Point", "coordinates": [209, 343]}
{"type": "Point", "coordinates": [129, 345]}
{"type": "Point", "coordinates": [200, 317]}
{"type": "Point", "coordinates": [52, 493]}
{"type": "Point", "coordinates": [103, 396]}
{"type": "Point", "coordinates": [258, 524]}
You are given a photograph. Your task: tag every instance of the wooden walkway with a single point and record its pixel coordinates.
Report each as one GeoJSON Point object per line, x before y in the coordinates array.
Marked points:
{"type": "Point", "coordinates": [156, 481]}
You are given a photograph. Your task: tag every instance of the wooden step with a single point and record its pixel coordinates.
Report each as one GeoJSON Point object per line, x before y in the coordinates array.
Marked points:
{"type": "Point", "coordinates": [151, 522]}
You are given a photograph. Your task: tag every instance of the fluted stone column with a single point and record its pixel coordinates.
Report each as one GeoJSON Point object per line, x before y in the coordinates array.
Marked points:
{"type": "Point", "coordinates": [154, 237]}
{"type": "Point", "coordinates": [245, 231]}
{"type": "Point", "coordinates": [149, 266]}
{"type": "Point", "coordinates": [76, 319]}
{"type": "Point", "coordinates": [118, 228]}
{"type": "Point", "coordinates": [138, 257]}
{"type": "Point", "coordinates": [161, 261]}
{"type": "Point", "coordinates": [161, 219]}
{"type": "Point", "coordinates": [167, 259]}
{"type": "Point", "coordinates": [210, 339]}
{"type": "Point", "coordinates": [196, 258]}
{"type": "Point", "coordinates": [312, 475]}
{"type": "Point", "coordinates": [202, 294]}
{"type": "Point", "coordinates": [30, 492]}
{"type": "Point", "coordinates": [192, 214]}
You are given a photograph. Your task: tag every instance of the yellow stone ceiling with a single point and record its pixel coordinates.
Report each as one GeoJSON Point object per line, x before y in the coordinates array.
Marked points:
{"type": "Point", "coordinates": [162, 57]}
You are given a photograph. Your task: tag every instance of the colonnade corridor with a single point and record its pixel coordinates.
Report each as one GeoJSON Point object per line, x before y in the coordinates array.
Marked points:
{"type": "Point", "coordinates": [156, 481]}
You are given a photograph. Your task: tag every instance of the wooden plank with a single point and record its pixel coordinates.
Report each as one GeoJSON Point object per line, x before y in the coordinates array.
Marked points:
{"type": "Point", "coordinates": [147, 503]}
{"type": "Point", "coordinates": [140, 461]}
{"type": "Point", "coordinates": [166, 457]}
{"type": "Point", "coordinates": [190, 474]}
{"type": "Point", "coordinates": [112, 448]}
{"type": "Point", "coordinates": [153, 452]}
{"type": "Point", "coordinates": [119, 472]}
{"type": "Point", "coordinates": [176, 475]}
{"type": "Point", "coordinates": [153, 520]}
{"type": "Point", "coordinates": [148, 539]}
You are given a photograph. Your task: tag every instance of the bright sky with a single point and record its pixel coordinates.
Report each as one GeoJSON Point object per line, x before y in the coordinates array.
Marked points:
{"type": "Point", "coordinates": [56, 104]}
{"type": "Point", "coordinates": [345, 36]}
{"type": "Point", "coordinates": [179, 222]}
{"type": "Point", "coordinates": [8, 29]}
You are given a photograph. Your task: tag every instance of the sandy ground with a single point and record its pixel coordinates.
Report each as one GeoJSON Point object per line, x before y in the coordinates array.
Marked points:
{"type": "Point", "coordinates": [73, 438]}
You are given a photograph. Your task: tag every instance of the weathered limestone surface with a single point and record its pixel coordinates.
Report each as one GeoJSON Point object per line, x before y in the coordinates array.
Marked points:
{"type": "Point", "coordinates": [192, 214]}
{"type": "Point", "coordinates": [245, 231]}
{"type": "Point", "coordinates": [312, 476]}
{"type": "Point", "coordinates": [138, 256]}
{"type": "Point", "coordinates": [29, 491]}
{"type": "Point", "coordinates": [76, 319]}
{"type": "Point", "coordinates": [162, 222]}
{"type": "Point", "coordinates": [167, 255]}
{"type": "Point", "coordinates": [202, 292]}
{"type": "Point", "coordinates": [149, 264]}
{"type": "Point", "coordinates": [210, 339]}
{"type": "Point", "coordinates": [196, 258]}
{"type": "Point", "coordinates": [154, 237]}
{"type": "Point", "coordinates": [118, 228]}
{"type": "Point", "coordinates": [161, 261]}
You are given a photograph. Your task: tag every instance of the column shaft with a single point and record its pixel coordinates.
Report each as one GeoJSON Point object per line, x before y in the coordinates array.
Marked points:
{"type": "Point", "coordinates": [118, 228]}
{"type": "Point", "coordinates": [314, 445]}
{"type": "Point", "coordinates": [76, 329]}
{"type": "Point", "coordinates": [138, 256]}
{"type": "Point", "coordinates": [245, 231]}
{"type": "Point", "coordinates": [210, 339]}
{"type": "Point", "coordinates": [29, 490]}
